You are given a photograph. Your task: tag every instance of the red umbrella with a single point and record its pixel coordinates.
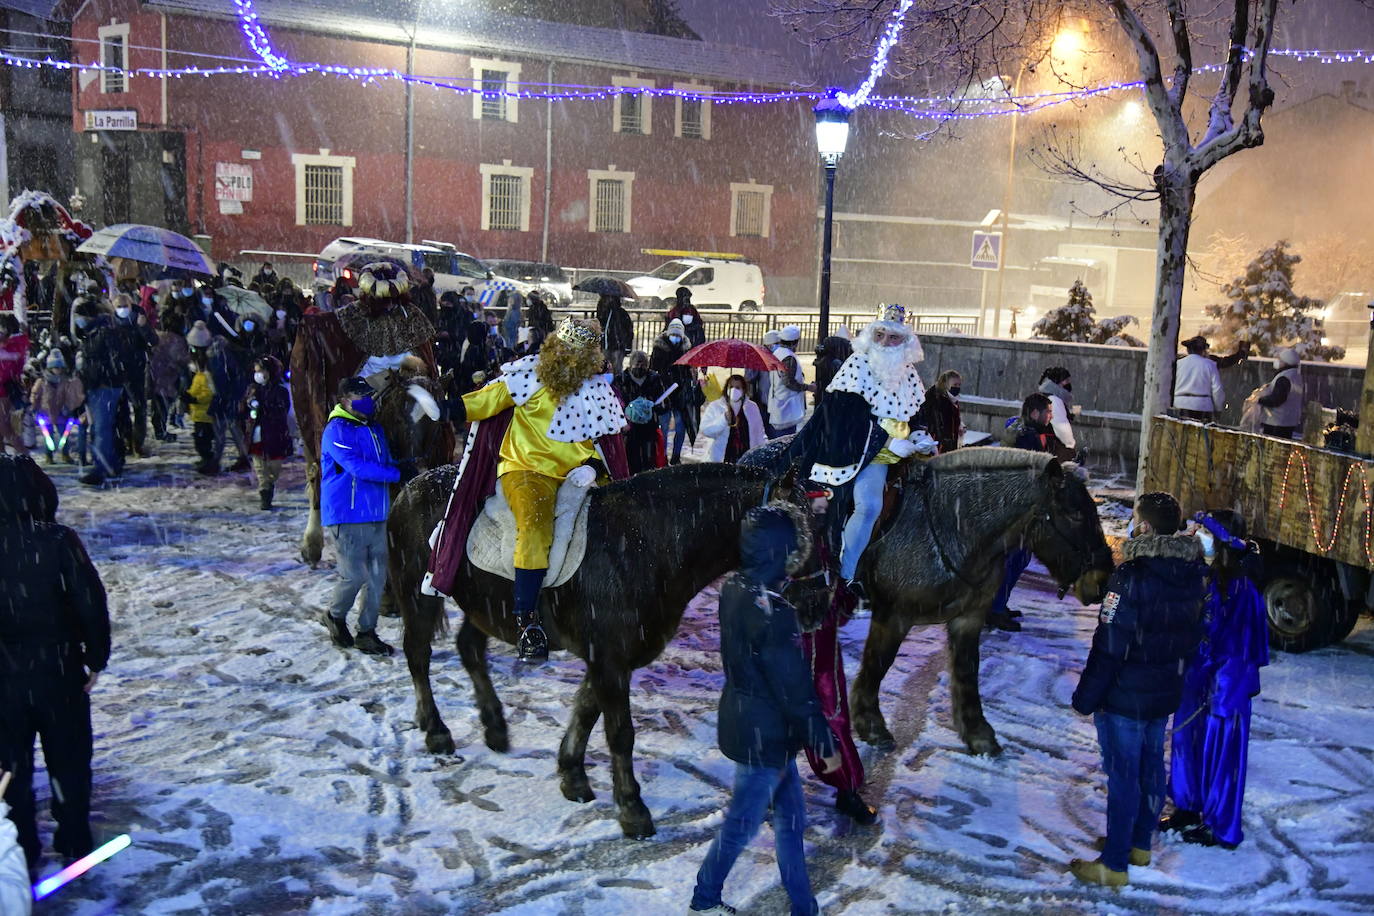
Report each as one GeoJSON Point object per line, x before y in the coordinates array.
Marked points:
{"type": "Point", "coordinates": [730, 353]}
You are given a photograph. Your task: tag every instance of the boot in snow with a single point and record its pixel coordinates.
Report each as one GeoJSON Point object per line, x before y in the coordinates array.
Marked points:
{"type": "Point", "coordinates": [1096, 872]}
{"type": "Point", "coordinates": [265, 497]}
{"type": "Point", "coordinates": [338, 631]}
{"type": "Point", "coordinates": [368, 643]}
{"type": "Point", "coordinates": [1140, 857]}
{"type": "Point", "coordinates": [852, 805]}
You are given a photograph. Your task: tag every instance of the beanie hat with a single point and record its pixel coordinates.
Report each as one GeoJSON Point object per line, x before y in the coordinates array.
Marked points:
{"type": "Point", "coordinates": [677, 327]}
{"type": "Point", "coordinates": [1288, 357]}
{"type": "Point", "coordinates": [198, 336]}
{"type": "Point", "coordinates": [55, 359]}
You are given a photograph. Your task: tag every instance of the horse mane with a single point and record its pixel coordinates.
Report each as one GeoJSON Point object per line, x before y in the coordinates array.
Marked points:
{"type": "Point", "coordinates": [991, 459]}
{"type": "Point", "coordinates": [672, 479]}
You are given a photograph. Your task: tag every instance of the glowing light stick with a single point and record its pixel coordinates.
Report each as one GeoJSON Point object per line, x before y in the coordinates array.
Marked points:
{"type": "Point", "coordinates": [43, 424]}
{"type": "Point", "coordinates": [72, 425]}
{"type": "Point", "coordinates": [80, 867]}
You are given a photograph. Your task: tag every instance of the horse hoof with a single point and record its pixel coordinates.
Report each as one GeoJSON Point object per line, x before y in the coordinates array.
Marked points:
{"type": "Point", "coordinates": [440, 742]}
{"type": "Point", "coordinates": [983, 745]}
{"type": "Point", "coordinates": [875, 735]}
{"type": "Point", "coordinates": [577, 790]}
{"type": "Point", "coordinates": [636, 828]}
{"type": "Point", "coordinates": [497, 739]}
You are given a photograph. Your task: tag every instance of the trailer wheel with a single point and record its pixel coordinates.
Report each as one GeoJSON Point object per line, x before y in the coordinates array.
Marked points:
{"type": "Point", "coordinates": [1305, 607]}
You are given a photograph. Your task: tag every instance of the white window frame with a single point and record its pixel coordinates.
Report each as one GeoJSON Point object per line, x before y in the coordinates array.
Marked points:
{"type": "Point", "coordinates": [705, 109]}
{"type": "Point", "coordinates": [736, 188]}
{"type": "Point", "coordinates": [118, 30]}
{"type": "Point", "coordinates": [646, 104]}
{"type": "Point", "coordinates": [526, 184]}
{"type": "Point", "coordinates": [610, 173]}
{"type": "Point", "coordinates": [512, 71]}
{"type": "Point", "coordinates": [323, 157]}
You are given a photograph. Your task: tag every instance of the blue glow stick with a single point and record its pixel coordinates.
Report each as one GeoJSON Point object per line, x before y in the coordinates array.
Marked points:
{"type": "Point", "coordinates": [80, 866]}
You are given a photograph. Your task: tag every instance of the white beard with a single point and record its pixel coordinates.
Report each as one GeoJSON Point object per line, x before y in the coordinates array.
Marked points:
{"type": "Point", "coordinates": [888, 367]}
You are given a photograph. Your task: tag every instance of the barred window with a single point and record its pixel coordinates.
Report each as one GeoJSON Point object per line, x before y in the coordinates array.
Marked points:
{"type": "Point", "coordinates": [324, 195]}
{"type": "Point", "coordinates": [113, 51]}
{"type": "Point", "coordinates": [504, 205]}
{"type": "Point", "coordinates": [692, 124]}
{"type": "Point", "coordinates": [610, 205]}
{"type": "Point", "coordinates": [493, 98]}
{"type": "Point", "coordinates": [631, 114]}
{"type": "Point", "coordinates": [749, 214]}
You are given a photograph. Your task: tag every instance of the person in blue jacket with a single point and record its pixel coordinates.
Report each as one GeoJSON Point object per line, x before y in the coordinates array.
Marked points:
{"type": "Point", "coordinates": [768, 712]}
{"type": "Point", "coordinates": [1150, 622]}
{"type": "Point", "coordinates": [356, 473]}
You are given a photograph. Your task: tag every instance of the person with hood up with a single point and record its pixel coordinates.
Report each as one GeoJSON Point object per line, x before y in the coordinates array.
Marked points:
{"type": "Point", "coordinates": [639, 387]}
{"type": "Point", "coordinates": [1198, 393]}
{"type": "Point", "coordinates": [478, 360]}
{"type": "Point", "coordinates": [14, 352]}
{"type": "Point", "coordinates": [140, 339]}
{"type": "Point", "coordinates": [105, 359]}
{"type": "Point", "coordinates": [830, 356]}
{"type": "Point", "coordinates": [732, 423]}
{"type": "Point", "coordinates": [1150, 623]}
{"type": "Point", "coordinates": [537, 314]}
{"type": "Point", "coordinates": [768, 712]}
{"type": "Point", "coordinates": [356, 473]}
{"type": "Point", "coordinates": [229, 364]}
{"type": "Point", "coordinates": [57, 398]}
{"type": "Point", "coordinates": [940, 413]}
{"type": "Point", "coordinates": [617, 329]}
{"type": "Point", "coordinates": [54, 642]}
{"type": "Point", "coordinates": [1281, 402]}
{"type": "Point", "coordinates": [684, 311]}
{"type": "Point", "coordinates": [1057, 385]}
{"type": "Point", "coordinates": [268, 425]}
{"type": "Point", "coordinates": [450, 329]}
{"type": "Point", "coordinates": [678, 410]}
{"type": "Point", "coordinates": [1212, 724]}
{"type": "Point", "coordinates": [788, 388]}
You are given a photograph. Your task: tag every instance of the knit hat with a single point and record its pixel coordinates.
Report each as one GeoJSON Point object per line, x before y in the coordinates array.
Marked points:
{"type": "Point", "coordinates": [55, 359]}
{"type": "Point", "coordinates": [770, 338]}
{"type": "Point", "coordinates": [1288, 358]}
{"type": "Point", "coordinates": [198, 336]}
{"type": "Point", "coordinates": [790, 334]}
{"type": "Point", "coordinates": [676, 327]}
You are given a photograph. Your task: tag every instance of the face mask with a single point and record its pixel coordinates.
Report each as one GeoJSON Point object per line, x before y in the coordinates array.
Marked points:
{"type": "Point", "coordinates": [248, 325]}
{"type": "Point", "coordinates": [1068, 386]}
{"type": "Point", "coordinates": [607, 377]}
{"type": "Point", "coordinates": [1130, 529]}
{"type": "Point", "coordinates": [687, 319]}
{"type": "Point", "coordinates": [186, 293]}
{"type": "Point", "coordinates": [260, 378]}
{"type": "Point", "coordinates": [638, 372]}
{"type": "Point", "coordinates": [955, 391]}
{"type": "Point", "coordinates": [82, 323]}
{"type": "Point", "coordinates": [281, 315]}
{"type": "Point", "coordinates": [207, 301]}
{"type": "Point", "coordinates": [736, 395]}
{"type": "Point", "coordinates": [363, 407]}
{"type": "Point", "coordinates": [495, 331]}
{"type": "Point", "coordinates": [122, 312]}
{"type": "Point", "coordinates": [1209, 543]}
{"type": "Point", "coordinates": [675, 338]}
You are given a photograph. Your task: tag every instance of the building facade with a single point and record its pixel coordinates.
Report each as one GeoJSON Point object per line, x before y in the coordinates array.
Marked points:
{"type": "Point", "coordinates": [36, 143]}
{"type": "Point", "coordinates": [288, 164]}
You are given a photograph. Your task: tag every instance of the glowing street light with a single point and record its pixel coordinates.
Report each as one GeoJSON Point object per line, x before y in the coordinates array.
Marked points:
{"type": "Point", "coordinates": [832, 134]}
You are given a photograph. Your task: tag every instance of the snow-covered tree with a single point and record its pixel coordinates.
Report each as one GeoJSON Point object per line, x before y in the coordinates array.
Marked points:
{"type": "Point", "coordinates": [1076, 322]}
{"type": "Point", "coordinates": [1264, 309]}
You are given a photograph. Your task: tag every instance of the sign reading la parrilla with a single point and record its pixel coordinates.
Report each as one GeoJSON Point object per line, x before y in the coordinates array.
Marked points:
{"type": "Point", "coordinates": [111, 120]}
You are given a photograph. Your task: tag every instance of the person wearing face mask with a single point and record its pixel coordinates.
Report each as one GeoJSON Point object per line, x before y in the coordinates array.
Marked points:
{"type": "Point", "coordinates": [788, 390]}
{"type": "Point", "coordinates": [139, 341]}
{"type": "Point", "coordinates": [266, 275]}
{"type": "Point", "coordinates": [356, 473]}
{"type": "Point", "coordinates": [691, 318]}
{"type": "Point", "coordinates": [1057, 385]}
{"type": "Point", "coordinates": [940, 412]}
{"type": "Point", "coordinates": [639, 387]}
{"type": "Point", "coordinates": [1212, 724]}
{"type": "Point", "coordinates": [268, 425]}
{"type": "Point", "coordinates": [733, 423]}
{"type": "Point", "coordinates": [105, 359]}
{"type": "Point", "coordinates": [198, 397]}
{"type": "Point", "coordinates": [57, 398]}
{"type": "Point", "coordinates": [678, 409]}
{"type": "Point", "coordinates": [1150, 623]}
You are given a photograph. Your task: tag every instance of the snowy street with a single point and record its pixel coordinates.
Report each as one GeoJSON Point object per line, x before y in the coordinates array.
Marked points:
{"type": "Point", "coordinates": [260, 770]}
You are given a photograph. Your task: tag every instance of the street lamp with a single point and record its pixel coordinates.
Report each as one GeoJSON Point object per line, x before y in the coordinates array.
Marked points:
{"type": "Point", "coordinates": [832, 133]}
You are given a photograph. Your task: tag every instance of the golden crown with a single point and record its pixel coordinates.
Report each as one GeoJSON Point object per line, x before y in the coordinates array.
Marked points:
{"type": "Point", "coordinates": [893, 312]}
{"type": "Point", "coordinates": [577, 335]}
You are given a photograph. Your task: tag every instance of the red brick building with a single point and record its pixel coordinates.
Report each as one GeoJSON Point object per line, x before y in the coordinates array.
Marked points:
{"type": "Point", "coordinates": [580, 183]}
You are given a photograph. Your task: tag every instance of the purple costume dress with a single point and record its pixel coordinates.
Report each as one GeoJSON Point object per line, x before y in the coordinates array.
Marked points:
{"type": "Point", "coordinates": [1212, 725]}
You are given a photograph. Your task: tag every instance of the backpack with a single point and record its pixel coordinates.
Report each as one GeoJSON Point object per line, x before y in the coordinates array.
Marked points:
{"type": "Point", "coordinates": [640, 410]}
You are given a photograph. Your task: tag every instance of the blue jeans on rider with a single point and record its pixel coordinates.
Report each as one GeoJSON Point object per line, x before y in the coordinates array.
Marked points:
{"type": "Point", "coordinates": [1017, 561]}
{"type": "Point", "coordinates": [102, 403]}
{"type": "Point", "coordinates": [868, 505]}
{"type": "Point", "coordinates": [668, 417]}
{"type": "Point", "coordinates": [1133, 759]}
{"type": "Point", "coordinates": [755, 788]}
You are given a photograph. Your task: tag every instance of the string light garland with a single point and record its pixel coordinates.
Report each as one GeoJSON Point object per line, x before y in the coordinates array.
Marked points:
{"type": "Point", "coordinates": [1325, 545]}
{"type": "Point", "coordinates": [878, 66]}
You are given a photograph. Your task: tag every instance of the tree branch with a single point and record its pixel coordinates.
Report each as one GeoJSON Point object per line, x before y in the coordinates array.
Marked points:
{"type": "Point", "coordinates": [1219, 118]}
{"type": "Point", "coordinates": [1183, 47]}
{"type": "Point", "coordinates": [1168, 115]}
{"type": "Point", "coordinates": [1248, 132]}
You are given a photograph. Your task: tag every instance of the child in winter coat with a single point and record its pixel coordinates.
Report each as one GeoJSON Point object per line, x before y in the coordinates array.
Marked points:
{"type": "Point", "coordinates": [267, 424]}
{"type": "Point", "coordinates": [198, 398]}
{"type": "Point", "coordinates": [57, 399]}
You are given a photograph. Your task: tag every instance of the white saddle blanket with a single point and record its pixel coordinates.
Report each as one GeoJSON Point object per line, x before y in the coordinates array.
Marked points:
{"type": "Point", "coordinates": [491, 544]}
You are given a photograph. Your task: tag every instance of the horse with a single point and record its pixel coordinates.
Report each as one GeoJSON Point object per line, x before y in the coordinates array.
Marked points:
{"type": "Point", "coordinates": [323, 356]}
{"type": "Point", "coordinates": [662, 536]}
{"type": "Point", "coordinates": [942, 561]}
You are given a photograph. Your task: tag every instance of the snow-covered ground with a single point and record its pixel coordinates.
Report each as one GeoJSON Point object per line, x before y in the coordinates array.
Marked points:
{"type": "Point", "coordinates": [260, 770]}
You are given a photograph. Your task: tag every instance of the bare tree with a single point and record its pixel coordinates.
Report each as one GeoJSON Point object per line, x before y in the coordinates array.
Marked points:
{"type": "Point", "coordinates": [965, 37]}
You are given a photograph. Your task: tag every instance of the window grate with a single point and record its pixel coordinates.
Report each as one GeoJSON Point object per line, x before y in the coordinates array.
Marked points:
{"type": "Point", "coordinates": [693, 125]}
{"type": "Point", "coordinates": [324, 195]}
{"type": "Point", "coordinates": [610, 205]}
{"type": "Point", "coordinates": [749, 206]}
{"type": "Point", "coordinates": [113, 80]}
{"type": "Point", "coordinates": [631, 114]}
{"type": "Point", "coordinates": [504, 205]}
{"type": "Point", "coordinates": [493, 99]}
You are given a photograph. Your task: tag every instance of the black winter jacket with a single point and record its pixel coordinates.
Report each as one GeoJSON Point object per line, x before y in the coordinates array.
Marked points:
{"type": "Point", "coordinates": [109, 358]}
{"type": "Point", "coordinates": [768, 710]}
{"type": "Point", "coordinates": [1150, 623]}
{"type": "Point", "coordinates": [53, 616]}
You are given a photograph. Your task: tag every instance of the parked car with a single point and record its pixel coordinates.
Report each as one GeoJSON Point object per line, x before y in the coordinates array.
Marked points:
{"type": "Point", "coordinates": [716, 283]}
{"type": "Point", "coordinates": [548, 278]}
{"type": "Point", "coordinates": [452, 268]}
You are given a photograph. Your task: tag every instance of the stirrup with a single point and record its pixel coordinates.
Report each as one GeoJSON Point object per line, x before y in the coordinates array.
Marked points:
{"type": "Point", "coordinates": [533, 644]}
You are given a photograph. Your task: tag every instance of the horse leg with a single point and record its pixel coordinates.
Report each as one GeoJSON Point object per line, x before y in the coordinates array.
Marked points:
{"type": "Point", "coordinates": [572, 753]}
{"type": "Point", "coordinates": [613, 695]}
{"type": "Point", "coordinates": [880, 651]}
{"type": "Point", "coordinates": [312, 542]}
{"type": "Point", "coordinates": [964, 633]}
{"type": "Point", "coordinates": [472, 649]}
{"type": "Point", "coordinates": [416, 643]}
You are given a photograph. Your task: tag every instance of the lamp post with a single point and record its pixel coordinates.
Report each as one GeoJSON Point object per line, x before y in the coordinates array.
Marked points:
{"type": "Point", "coordinates": [832, 133]}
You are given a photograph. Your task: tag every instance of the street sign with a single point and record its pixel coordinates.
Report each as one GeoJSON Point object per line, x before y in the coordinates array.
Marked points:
{"type": "Point", "coordinates": [111, 120]}
{"type": "Point", "coordinates": [987, 251]}
{"type": "Point", "coordinates": [233, 181]}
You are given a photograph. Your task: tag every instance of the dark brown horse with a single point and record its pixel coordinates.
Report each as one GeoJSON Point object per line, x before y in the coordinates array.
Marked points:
{"type": "Point", "coordinates": [323, 356]}
{"type": "Point", "coordinates": [658, 539]}
{"type": "Point", "coordinates": [942, 561]}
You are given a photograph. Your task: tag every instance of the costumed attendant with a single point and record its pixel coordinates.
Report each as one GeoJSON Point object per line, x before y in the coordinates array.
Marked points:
{"type": "Point", "coordinates": [547, 411]}
{"type": "Point", "coordinates": [1212, 725]}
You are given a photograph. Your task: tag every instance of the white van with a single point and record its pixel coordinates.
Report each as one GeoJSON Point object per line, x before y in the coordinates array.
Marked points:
{"type": "Point", "coordinates": [716, 283]}
{"type": "Point", "coordinates": [453, 269]}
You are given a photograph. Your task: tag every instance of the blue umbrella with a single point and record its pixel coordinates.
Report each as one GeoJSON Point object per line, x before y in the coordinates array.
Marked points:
{"type": "Point", "coordinates": [149, 245]}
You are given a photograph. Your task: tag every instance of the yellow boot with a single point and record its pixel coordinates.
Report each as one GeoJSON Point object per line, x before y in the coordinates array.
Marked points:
{"type": "Point", "coordinates": [1139, 857]}
{"type": "Point", "coordinates": [1095, 872]}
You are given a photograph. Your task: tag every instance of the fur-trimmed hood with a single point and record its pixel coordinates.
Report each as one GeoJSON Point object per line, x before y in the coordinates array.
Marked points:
{"type": "Point", "coordinates": [1164, 546]}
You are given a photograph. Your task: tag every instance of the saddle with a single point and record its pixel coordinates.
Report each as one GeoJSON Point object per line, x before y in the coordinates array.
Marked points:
{"type": "Point", "coordinates": [491, 543]}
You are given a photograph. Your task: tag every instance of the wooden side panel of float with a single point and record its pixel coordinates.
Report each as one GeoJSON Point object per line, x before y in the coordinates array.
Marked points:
{"type": "Point", "coordinates": [1307, 498]}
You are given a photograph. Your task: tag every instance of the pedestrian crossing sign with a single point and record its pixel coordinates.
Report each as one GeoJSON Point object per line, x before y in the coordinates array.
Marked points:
{"type": "Point", "coordinates": [987, 251]}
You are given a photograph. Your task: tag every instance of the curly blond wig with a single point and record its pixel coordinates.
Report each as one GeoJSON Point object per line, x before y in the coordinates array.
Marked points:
{"type": "Point", "coordinates": [563, 366]}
